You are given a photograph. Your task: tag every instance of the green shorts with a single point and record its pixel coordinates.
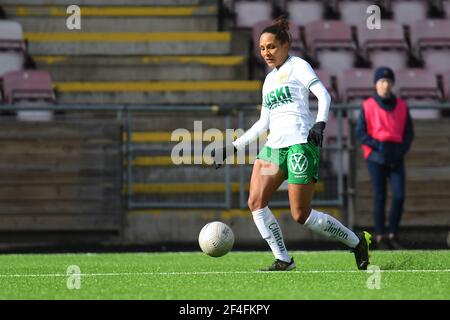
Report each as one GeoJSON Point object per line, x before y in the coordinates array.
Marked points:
{"type": "Point", "coordinates": [299, 162]}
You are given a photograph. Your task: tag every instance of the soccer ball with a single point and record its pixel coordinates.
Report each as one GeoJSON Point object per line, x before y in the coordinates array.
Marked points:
{"type": "Point", "coordinates": [216, 239]}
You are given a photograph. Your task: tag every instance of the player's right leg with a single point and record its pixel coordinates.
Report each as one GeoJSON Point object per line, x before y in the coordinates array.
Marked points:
{"type": "Point", "coordinates": [265, 180]}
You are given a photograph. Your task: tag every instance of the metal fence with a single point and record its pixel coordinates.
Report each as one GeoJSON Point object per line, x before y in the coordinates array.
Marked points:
{"type": "Point", "coordinates": [153, 182]}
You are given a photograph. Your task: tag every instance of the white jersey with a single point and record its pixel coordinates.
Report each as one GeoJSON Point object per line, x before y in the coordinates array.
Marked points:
{"type": "Point", "coordinates": [285, 108]}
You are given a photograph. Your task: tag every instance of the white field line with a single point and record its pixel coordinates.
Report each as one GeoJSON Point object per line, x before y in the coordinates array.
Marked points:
{"type": "Point", "coordinates": [123, 274]}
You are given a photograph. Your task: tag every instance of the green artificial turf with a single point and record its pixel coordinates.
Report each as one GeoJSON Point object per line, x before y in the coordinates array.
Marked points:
{"type": "Point", "coordinates": [195, 276]}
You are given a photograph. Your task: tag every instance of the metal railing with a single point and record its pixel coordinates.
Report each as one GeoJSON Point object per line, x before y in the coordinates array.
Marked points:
{"type": "Point", "coordinates": [344, 186]}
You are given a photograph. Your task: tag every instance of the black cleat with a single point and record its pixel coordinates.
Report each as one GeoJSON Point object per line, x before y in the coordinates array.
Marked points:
{"type": "Point", "coordinates": [280, 265]}
{"type": "Point", "coordinates": [361, 251]}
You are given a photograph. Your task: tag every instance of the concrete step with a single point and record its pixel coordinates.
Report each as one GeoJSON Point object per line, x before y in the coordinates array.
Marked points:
{"type": "Point", "coordinates": [117, 19]}
{"type": "Point", "coordinates": [411, 217]}
{"type": "Point", "coordinates": [129, 43]}
{"type": "Point", "coordinates": [161, 92]}
{"type": "Point", "coordinates": [413, 173]}
{"type": "Point", "coordinates": [143, 68]}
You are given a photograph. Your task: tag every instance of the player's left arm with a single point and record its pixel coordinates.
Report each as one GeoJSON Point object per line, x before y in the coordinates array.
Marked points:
{"type": "Point", "coordinates": [309, 79]}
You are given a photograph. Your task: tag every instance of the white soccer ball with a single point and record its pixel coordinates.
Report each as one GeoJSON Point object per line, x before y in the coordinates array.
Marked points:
{"type": "Point", "coordinates": [216, 239]}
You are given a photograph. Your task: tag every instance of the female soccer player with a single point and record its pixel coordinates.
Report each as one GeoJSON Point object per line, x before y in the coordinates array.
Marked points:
{"type": "Point", "coordinates": [292, 150]}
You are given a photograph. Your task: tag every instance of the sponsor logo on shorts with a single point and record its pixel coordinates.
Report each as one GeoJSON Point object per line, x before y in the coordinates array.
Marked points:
{"type": "Point", "coordinates": [297, 163]}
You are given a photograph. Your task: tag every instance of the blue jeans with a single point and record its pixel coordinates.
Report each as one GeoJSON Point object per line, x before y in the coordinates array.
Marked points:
{"type": "Point", "coordinates": [380, 174]}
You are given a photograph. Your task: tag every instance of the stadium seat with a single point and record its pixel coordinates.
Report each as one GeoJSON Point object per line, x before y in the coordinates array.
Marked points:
{"type": "Point", "coordinates": [325, 78]}
{"type": "Point", "coordinates": [409, 11]}
{"type": "Point", "coordinates": [12, 46]}
{"type": "Point", "coordinates": [27, 84]}
{"type": "Point", "coordinates": [417, 84]}
{"type": "Point", "coordinates": [355, 85]}
{"type": "Point", "coordinates": [248, 13]}
{"type": "Point", "coordinates": [305, 11]}
{"type": "Point", "coordinates": [431, 42]}
{"type": "Point", "coordinates": [29, 88]}
{"type": "Point", "coordinates": [386, 46]}
{"type": "Point", "coordinates": [418, 87]}
{"type": "Point", "coordinates": [354, 12]}
{"type": "Point", "coordinates": [297, 48]}
{"type": "Point", "coordinates": [330, 43]}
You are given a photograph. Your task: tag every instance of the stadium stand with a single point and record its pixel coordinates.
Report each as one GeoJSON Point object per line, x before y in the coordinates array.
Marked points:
{"type": "Point", "coordinates": [386, 46]}
{"type": "Point", "coordinates": [331, 44]}
{"type": "Point", "coordinates": [431, 42]}
{"type": "Point", "coordinates": [60, 177]}
{"type": "Point", "coordinates": [12, 46]}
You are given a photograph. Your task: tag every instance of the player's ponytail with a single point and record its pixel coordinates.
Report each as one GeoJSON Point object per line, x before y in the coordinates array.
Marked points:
{"type": "Point", "coordinates": [280, 28]}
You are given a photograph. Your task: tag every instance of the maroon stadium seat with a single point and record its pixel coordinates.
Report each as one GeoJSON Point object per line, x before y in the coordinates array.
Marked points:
{"type": "Point", "coordinates": [408, 11]}
{"type": "Point", "coordinates": [386, 46]}
{"type": "Point", "coordinates": [417, 84]}
{"type": "Point", "coordinates": [419, 87]}
{"type": "Point", "coordinates": [328, 34]}
{"type": "Point", "coordinates": [296, 46]}
{"type": "Point", "coordinates": [248, 13]}
{"type": "Point", "coordinates": [354, 12]}
{"type": "Point", "coordinates": [305, 11]}
{"type": "Point", "coordinates": [331, 43]}
{"type": "Point", "coordinates": [12, 46]}
{"type": "Point", "coordinates": [431, 42]}
{"type": "Point", "coordinates": [27, 85]}
{"type": "Point", "coordinates": [355, 84]}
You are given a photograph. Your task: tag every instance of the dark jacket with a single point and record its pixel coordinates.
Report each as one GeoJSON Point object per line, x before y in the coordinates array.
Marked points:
{"type": "Point", "coordinates": [389, 153]}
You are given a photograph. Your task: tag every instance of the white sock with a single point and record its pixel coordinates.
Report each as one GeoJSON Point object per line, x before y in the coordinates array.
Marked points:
{"type": "Point", "coordinates": [270, 230]}
{"type": "Point", "coordinates": [328, 226]}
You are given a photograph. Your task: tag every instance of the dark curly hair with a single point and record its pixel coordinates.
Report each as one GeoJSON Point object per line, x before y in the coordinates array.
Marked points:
{"type": "Point", "coordinates": [280, 28]}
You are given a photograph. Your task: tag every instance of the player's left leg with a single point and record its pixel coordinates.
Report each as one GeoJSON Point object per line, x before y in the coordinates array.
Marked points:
{"type": "Point", "coordinates": [300, 196]}
{"type": "Point", "coordinates": [303, 166]}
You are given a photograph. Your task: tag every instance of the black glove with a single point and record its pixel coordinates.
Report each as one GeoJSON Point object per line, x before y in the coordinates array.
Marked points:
{"type": "Point", "coordinates": [220, 154]}
{"type": "Point", "coordinates": [316, 133]}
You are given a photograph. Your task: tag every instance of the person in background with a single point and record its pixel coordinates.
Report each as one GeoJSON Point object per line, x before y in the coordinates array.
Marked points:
{"type": "Point", "coordinates": [385, 129]}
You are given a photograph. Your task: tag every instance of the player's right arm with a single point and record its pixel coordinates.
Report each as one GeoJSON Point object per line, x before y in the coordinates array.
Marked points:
{"type": "Point", "coordinates": [255, 131]}
{"type": "Point", "coordinates": [248, 137]}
